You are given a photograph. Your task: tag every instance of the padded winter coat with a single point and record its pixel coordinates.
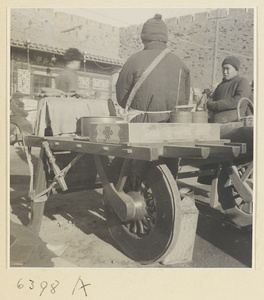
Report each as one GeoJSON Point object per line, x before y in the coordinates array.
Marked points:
{"type": "Point", "coordinates": [67, 81]}
{"type": "Point", "coordinates": [226, 97]}
{"type": "Point", "coordinates": [159, 91]}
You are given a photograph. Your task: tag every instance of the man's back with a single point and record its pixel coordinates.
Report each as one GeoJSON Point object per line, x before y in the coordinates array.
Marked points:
{"type": "Point", "coordinates": [159, 92]}
{"type": "Point", "coordinates": [67, 81]}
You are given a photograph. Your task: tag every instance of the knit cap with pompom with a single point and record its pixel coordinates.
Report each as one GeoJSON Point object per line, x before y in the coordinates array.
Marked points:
{"type": "Point", "coordinates": [155, 30]}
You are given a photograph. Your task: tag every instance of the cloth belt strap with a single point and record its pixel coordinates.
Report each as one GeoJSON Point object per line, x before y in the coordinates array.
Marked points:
{"type": "Point", "coordinates": [144, 76]}
{"type": "Point", "coordinates": [132, 113]}
{"type": "Point", "coordinates": [150, 112]}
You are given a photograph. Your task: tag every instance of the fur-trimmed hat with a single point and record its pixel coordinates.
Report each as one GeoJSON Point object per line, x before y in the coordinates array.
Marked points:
{"type": "Point", "coordinates": [233, 61]}
{"type": "Point", "coordinates": [73, 54]}
{"type": "Point", "coordinates": [155, 30]}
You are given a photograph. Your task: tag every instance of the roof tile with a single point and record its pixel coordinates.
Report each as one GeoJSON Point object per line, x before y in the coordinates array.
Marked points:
{"type": "Point", "coordinates": [45, 31]}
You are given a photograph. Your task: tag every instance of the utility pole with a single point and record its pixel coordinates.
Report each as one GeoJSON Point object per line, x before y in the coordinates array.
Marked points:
{"type": "Point", "coordinates": [217, 17]}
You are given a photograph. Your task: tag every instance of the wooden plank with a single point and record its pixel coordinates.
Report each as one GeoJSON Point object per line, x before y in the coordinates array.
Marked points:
{"type": "Point", "coordinates": [213, 142]}
{"type": "Point", "coordinates": [118, 150]}
{"type": "Point", "coordinates": [243, 146]}
{"type": "Point", "coordinates": [181, 151]}
{"type": "Point", "coordinates": [184, 175]}
{"type": "Point", "coordinates": [197, 163]}
{"type": "Point", "coordinates": [161, 143]}
{"type": "Point", "coordinates": [36, 141]}
{"type": "Point", "coordinates": [33, 141]}
{"type": "Point", "coordinates": [152, 132]}
{"type": "Point", "coordinates": [222, 150]}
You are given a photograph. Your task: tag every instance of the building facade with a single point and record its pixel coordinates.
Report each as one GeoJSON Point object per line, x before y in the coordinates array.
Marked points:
{"type": "Point", "coordinates": [38, 40]}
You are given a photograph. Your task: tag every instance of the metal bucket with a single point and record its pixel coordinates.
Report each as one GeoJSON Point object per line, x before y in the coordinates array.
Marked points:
{"type": "Point", "coordinates": [85, 121]}
{"type": "Point", "coordinates": [200, 117]}
{"type": "Point", "coordinates": [181, 117]}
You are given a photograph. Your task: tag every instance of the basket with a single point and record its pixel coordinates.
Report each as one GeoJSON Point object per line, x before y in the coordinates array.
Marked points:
{"type": "Point", "coordinates": [248, 121]}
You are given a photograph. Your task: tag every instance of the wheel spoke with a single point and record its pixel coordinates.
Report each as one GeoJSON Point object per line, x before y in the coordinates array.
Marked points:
{"type": "Point", "coordinates": [134, 228]}
{"type": "Point", "coordinates": [151, 218]}
{"type": "Point", "coordinates": [238, 209]}
{"type": "Point", "coordinates": [145, 222]}
{"type": "Point", "coordinates": [129, 226]}
{"type": "Point", "coordinates": [141, 230]}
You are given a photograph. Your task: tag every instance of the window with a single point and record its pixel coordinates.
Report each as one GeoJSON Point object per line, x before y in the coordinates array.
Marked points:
{"type": "Point", "coordinates": [41, 81]}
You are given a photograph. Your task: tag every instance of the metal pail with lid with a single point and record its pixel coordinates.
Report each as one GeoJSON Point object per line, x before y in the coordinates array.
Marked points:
{"type": "Point", "coordinates": [181, 117]}
{"type": "Point", "coordinates": [200, 116]}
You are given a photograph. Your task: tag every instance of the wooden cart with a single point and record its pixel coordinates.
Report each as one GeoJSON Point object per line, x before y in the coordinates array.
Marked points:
{"type": "Point", "coordinates": [146, 213]}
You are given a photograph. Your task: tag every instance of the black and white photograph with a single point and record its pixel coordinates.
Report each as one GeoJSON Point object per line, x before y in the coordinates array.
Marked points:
{"type": "Point", "coordinates": [131, 159]}
{"type": "Point", "coordinates": [131, 137]}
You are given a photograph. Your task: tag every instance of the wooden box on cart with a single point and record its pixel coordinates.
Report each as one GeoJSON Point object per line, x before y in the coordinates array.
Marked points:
{"type": "Point", "coordinates": [152, 132]}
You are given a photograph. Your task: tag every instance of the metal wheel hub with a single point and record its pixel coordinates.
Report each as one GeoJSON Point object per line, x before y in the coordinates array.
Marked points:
{"type": "Point", "coordinates": [140, 205]}
{"type": "Point", "coordinates": [147, 235]}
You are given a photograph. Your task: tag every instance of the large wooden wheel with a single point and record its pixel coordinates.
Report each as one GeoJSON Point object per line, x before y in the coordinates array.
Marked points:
{"type": "Point", "coordinates": [235, 190]}
{"type": "Point", "coordinates": [149, 236]}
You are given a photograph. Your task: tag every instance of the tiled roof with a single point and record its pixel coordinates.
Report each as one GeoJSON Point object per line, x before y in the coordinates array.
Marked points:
{"type": "Point", "coordinates": [47, 33]}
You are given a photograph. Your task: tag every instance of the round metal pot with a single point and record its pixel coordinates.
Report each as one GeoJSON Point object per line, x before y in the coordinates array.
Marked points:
{"type": "Point", "coordinates": [85, 121]}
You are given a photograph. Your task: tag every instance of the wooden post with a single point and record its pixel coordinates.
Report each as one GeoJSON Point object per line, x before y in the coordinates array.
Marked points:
{"type": "Point", "coordinates": [214, 198]}
{"type": "Point", "coordinates": [217, 19]}
{"type": "Point", "coordinates": [214, 193]}
{"type": "Point", "coordinates": [37, 208]}
{"type": "Point", "coordinates": [182, 245]}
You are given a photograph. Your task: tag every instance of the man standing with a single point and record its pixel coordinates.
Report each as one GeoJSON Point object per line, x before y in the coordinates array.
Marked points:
{"type": "Point", "coordinates": [67, 80]}
{"type": "Point", "coordinates": [18, 120]}
{"type": "Point", "coordinates": [222, 106]}
{"type": "Point", "coordinates": [18, 114]}
{"type": "Point", "coordinates": [166, 85]}
{"type": "Point", "coordinates": [223, 102]}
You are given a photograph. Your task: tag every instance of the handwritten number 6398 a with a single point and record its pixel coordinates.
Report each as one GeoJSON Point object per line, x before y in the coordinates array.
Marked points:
{"type": "Point", "coordinates": [44, 284]}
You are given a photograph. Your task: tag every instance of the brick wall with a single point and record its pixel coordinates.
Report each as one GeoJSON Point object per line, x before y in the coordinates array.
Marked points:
{"type": "Point", "coordinates": [92, 37]}
{"type": "Point", "coordinates": [192, 38]}
{"type": "Point", "coordinates": [60, 30]}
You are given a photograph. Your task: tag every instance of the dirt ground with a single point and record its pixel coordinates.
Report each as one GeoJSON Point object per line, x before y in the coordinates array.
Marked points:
{"type": "Point", "coordinates": [74, 233]}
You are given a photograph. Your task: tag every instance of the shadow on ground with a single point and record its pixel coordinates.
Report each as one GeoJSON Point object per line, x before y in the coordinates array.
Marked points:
{"type": "Point", "coordinates": [27, 249]}
{"type": "Point", "coordinates": [84, 209]}
{"type": "Point", "coordinates": [215, 227]}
